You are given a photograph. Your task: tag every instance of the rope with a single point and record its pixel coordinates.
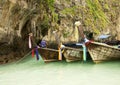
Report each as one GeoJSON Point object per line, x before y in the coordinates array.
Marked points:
{"type": "Point", "coordinates": [24, 56]}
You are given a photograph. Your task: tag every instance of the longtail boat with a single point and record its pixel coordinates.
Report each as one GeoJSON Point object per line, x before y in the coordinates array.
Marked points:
{"type": "Point", "coordinates": [102, 52]}
{"type": "Point", "coordinates": [48, 54]}
{"type": "Point", "coordinates": [72, 53]}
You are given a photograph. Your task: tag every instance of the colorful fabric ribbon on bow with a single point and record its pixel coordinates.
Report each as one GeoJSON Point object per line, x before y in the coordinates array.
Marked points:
{"type": "Point", "coordinates": [33, 53]}
{"type": "Point", "coordinates": [37, 53]}
{"type": "Point", "coordinates": [60, 51]}
{"type": "Point", "coordinates": [60, 54]}
{"type": "Point", "coordinates": [30, 44]}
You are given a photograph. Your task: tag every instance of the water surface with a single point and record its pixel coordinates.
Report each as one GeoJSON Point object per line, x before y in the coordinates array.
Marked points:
{"type": "Point", "coordinates": [31, 72]}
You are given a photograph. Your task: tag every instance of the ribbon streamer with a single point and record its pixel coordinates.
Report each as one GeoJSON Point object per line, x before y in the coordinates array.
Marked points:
{"type": "Point", "coordinates": [30, 45]}
{"type": "Point", "coordinates": [37, 54]}
{"type": "Point", "coordinates": [60, 53]}
{"type": "Point", "coordinates": [33, 52]}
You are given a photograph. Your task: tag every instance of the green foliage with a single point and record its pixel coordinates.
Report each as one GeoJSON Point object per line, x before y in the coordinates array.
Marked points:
{"type": "Point", "coordinates": [45, 22]}
{"type": "Point", "coordinates": [48, 5]}
{"type": "Point", "coordinates": [66, 34]}
{"type": "Point", "coordinates": [98, 19]}
{"type": "Point", "coordinates": [55, 17]}
{"type": "Point", "coordinates": [70, 10]}
{"type": "Point", "coordinates": [51, 7]}
{"type": "Point", "coordinates": [92, 15]}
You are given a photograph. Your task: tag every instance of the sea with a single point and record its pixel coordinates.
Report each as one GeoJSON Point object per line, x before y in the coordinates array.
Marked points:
{"type": "Point", "coordinates": [29, 71]}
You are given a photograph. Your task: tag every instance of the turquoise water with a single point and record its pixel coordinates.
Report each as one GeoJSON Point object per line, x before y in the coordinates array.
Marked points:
{"type": "Point", "coordinates": [32, 72]}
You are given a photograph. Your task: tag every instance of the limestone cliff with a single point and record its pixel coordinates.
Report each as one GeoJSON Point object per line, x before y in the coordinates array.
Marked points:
{"type": "Point", "coordinates": [42, 17]}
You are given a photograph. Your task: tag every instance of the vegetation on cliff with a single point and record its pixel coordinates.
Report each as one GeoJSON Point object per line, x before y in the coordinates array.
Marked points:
{"type": "Point", "coordinates": [42, 17]}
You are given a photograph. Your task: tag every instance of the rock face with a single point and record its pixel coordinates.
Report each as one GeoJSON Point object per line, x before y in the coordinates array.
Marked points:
{"type": "Point", "coordinates": [118, 29]}
{"type": "Point", "coordinates": [21, 17]}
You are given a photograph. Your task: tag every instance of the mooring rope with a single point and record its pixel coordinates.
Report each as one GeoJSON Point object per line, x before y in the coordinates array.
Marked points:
{"type": "Point", "coordinates": [24, 56]}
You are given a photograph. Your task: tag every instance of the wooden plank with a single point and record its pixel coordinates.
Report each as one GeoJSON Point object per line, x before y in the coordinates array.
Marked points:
{"type": "Point", "coordinates": [49, 49]}
{"type": "Point", "coordinates": [105, 45]}
{"type": "Point", "coordinates": [51, 60]}
{"type": "Point", "coordinates": [73, 48]}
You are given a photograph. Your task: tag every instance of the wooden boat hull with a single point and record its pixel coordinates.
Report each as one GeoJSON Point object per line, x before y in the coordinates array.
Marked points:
{"type": "Point", "coordinates": [102, 52]}
{"type": "Point", "coordinates": [48, 55]}
{"type": "Point", "coordinates": [72, 54]}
